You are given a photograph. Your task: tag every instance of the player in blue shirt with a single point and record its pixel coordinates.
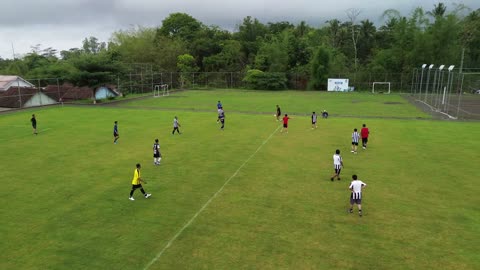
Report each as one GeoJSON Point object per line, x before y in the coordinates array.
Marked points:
{"type": "Point", "coordinates": [115, 132]}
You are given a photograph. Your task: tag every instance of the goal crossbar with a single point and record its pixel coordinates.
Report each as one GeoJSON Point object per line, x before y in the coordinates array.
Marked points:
{"type": "Point", "coordinates": [160, 90]}
{"type": "Point", "coordinates": [374, 83]}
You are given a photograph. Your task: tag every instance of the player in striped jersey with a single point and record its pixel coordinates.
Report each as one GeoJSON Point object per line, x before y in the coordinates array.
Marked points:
{"type": "Point", "coordinates": [314, 120]}
{"type": "Point", "coordinates": [355, 139]}
{"type": "Point", "coordinates": [356, 187]}
{"type": "Point", "coordinates": [337, 165]}
{"type": "Point", "coordinates": [157, 156]}
{"type": "Point", "coordinates": [221, 116]}
{"type": "Point", "coordinates": [176, 125]}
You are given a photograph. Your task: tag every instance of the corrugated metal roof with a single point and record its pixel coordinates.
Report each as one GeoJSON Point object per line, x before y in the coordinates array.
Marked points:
{"type": "Point", "coordinates": [5, 80]}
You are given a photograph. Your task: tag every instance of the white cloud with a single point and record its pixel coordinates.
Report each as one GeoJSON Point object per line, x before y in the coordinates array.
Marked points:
{"type": "Point", "coordinates": [63, 24]}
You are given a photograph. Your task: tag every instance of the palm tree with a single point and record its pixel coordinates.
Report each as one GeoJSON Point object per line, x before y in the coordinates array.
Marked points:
{"type": "Point", "coordinates": [438, 10]}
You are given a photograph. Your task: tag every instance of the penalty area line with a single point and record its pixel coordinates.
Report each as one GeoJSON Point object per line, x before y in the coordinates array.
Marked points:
{"type": "Point", "coordinates": [169, 243]}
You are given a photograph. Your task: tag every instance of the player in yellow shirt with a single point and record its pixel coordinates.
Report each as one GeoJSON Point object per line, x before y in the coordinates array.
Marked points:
{"type": "Point", "coordinates": [137, 183]}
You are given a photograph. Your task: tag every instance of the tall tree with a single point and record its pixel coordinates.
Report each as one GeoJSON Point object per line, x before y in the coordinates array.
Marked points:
{"type": "Point", "coordinates": [320, 69]}
{"type": "Point", "coordinates": [180, 25]}
{"type": "Point", "coordinates": [250, 34]}
{"type": "Point", "coordinates": [352, 15]}
{"type": "Point", "coordinates": [366, 40]}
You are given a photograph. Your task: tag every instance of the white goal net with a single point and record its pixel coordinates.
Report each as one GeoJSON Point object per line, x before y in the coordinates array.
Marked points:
{"type": "Point", "coordinates": [161, 90]}
{"type": "Point", "coordinates": [385, 87]}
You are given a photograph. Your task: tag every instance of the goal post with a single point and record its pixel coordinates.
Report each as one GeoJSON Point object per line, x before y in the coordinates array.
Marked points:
{"type": "Point", "coordinates": [161, 90]}
{"type": "Point", "coordinates": [375, 83]}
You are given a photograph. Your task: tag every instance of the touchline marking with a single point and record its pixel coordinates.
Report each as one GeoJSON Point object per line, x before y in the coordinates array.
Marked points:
{"type": "Point", "coordinates": [207, 203]}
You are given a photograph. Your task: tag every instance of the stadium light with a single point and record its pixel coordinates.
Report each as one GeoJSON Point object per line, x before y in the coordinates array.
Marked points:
{"type": "Point", "coordinates": [421, 78]}
{"type": "Point", "coordinates": [428, 80]}
{"type": "Point", "coordinates": [441, 67]}
{"type": "Point", "coordinates": [450, 68]}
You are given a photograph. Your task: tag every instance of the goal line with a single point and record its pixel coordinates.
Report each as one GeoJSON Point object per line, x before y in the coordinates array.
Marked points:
{"type": "Point", "coordinates": [375, 83]}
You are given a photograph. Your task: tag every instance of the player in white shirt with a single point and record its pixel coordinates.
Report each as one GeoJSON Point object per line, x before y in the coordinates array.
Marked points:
{"type": "Point", "coordinates": [337, 165]}
{"type": "Point", "coordinates": [356, 187]}
{"type": "Point", "coordinates": [314, 120]}
{"type": "Point", "coordinates": [176, 125]}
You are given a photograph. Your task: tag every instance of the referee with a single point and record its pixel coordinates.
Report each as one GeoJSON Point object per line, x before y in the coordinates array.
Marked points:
{"type": "Point", "coordinates": [137, 183]}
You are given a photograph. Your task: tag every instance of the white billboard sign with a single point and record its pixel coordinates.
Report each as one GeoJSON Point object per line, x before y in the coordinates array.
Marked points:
{"type": "Point", "coordinates": [337, 85]}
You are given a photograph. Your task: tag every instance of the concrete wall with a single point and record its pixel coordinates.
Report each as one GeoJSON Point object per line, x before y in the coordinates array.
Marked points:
{"type": "Point", "coordinates": [39, 99]}
{"type": "Point", "coordinates": [103, 93]}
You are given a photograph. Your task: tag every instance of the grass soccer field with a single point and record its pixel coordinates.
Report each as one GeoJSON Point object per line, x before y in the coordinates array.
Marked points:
{"type": "Point", "coordinates": [248, 197]}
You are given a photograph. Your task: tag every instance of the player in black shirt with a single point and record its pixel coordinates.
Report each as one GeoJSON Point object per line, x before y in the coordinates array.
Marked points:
{"type": "Point", "coordinates": [279, 112]}
{"type": "Point", "coordinates": [34, 124]}
{"type": "Point", "coordinates": [115, 133]}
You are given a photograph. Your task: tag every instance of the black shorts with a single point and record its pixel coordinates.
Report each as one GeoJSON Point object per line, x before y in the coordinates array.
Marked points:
{"type": "Point", "coordinates": [222, 120]}
{"type": "Point", "coordinates": [34, 125]}
{"type": "Point", "coordinates": [157, 155]}
{"type": "Point", "coordinates": [314, 122]}
{"type": "Point", "coordinates": [354, 143]}
{"type": "Point", "coordinates": [115, 134]}
{"type": "Point", "coordinates": [337, 171]}
{"type": "Point", "coordinates": [285, 125]}
{"type": "Point", "coordinates": [355, 201]}
{"type": "Point", "coordinates": [364, 140]}
{"type": "Point", "coordinates": [136, 186]}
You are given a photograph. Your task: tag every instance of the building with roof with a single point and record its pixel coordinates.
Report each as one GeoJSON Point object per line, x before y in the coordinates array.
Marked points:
{"type": "Point", "coordinates": [7, 82]}
{"type": "Point", "coordinates": [24, 97]}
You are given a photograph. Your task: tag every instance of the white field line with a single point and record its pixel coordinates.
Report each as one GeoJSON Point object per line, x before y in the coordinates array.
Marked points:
{"type": "Point", "coordinates": [156, 258]}
{"type": "Point", "coordinates": [435, 110]}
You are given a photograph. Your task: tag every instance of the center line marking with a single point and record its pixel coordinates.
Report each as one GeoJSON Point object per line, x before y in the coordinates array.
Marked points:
{"type": "Point", "coordinates": [206, 204]}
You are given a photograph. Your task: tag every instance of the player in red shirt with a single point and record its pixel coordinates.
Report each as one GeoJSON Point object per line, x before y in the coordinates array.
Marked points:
{"type": "Point", "coordinates": [285, 123]}
{"type": "Point", "coordinates": [364, 132]}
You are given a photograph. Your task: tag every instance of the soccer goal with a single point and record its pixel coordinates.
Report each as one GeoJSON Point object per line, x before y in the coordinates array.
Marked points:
{"type": "Point", "coordinates": [161, 90]}
{"type": "Point", "coordinates": [381, 91]}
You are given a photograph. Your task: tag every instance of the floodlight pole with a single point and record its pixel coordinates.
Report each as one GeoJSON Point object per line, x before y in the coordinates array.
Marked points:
{"type": "Point", "coordinates": [439, 87]}
{"type": "Point", "coordinates": [428, 81]}
{"type": "Point", "coordinates": [447, 88]}
{"type": "Point", "coordinates": [421, 79]}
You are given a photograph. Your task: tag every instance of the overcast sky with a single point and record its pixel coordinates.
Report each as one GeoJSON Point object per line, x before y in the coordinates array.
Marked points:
{"type": "Point", "coordinates": [63, 24]}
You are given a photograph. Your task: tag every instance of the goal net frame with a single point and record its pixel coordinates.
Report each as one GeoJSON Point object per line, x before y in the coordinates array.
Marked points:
{"type": "Point", "coordinates": [161, 90]}
{"type": "Point", "coordinates": [373, 86]}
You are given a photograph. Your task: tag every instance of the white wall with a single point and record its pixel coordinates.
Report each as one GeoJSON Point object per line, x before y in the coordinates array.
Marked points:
{"type": "Point", "coordinates": [39, 99]}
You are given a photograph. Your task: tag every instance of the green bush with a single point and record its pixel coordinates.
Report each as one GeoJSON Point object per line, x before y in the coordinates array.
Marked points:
{"type": "Point", "coordinates": [259, 80]}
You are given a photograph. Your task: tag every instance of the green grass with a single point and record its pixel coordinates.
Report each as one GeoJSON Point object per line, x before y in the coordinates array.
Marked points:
{"type": "Point", "coordinates": [291, 102]}
{"type": "Point", "coordinates": [65, 191]}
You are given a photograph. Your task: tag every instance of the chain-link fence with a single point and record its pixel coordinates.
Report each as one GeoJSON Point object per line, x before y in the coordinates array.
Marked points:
{"type": "Point", "coordinates": [145, 81]}
{"type": "Point", "coordinates": [449, 92]}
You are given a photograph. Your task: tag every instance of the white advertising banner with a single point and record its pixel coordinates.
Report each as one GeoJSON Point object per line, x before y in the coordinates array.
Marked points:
{"type": "Point", "coordinates": [337, 85]}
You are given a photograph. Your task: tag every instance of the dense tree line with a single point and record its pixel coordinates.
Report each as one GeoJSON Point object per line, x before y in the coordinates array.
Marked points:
{"type": "Point", "coordinates": [265, 50]}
